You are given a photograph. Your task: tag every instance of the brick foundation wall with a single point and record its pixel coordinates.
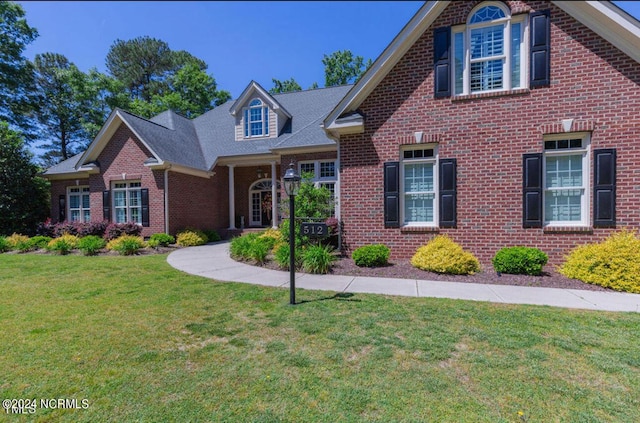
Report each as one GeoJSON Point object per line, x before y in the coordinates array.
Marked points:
{"type": "Point", "coordinates": [591, 82]}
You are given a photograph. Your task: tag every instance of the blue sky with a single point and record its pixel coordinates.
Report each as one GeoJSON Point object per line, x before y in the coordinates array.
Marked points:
{"type": "Point", "coordinates": [240, 41]}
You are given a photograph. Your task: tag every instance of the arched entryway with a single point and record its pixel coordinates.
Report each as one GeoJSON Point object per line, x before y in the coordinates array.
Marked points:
{"type": "Point", "coordinates": [260, 203]}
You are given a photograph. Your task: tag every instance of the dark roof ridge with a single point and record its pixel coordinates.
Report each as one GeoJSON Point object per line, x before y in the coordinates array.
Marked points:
{"type": "Point", "coordinates": [312, 89]}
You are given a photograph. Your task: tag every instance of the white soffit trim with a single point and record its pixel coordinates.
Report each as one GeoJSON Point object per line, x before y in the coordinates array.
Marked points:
{"type": "Point", "coordinates": [394, 52]}
{"type": "Point", "coordinates": [104, 136]}
{"type": "Point", "coordinates": [608, 21]}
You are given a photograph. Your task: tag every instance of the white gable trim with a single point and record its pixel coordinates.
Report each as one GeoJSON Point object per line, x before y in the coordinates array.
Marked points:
{"type": "Point", "coordinates": [412, 31]}
{"type": "Point", "coordinates": [104, 136]}
{"type": "Point", "coordinates": [602, 17]}
{"type": "Point", "coordinates": [254, 89]}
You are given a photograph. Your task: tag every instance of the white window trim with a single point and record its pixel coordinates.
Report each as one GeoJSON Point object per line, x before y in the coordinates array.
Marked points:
{"type": "Point", "coordinates": [128, 207]}
{"type": "Point", "coordinates": [507, 66]}
{"type": "Point", "coordinates": [80, 209]}
{"type": "Point", "coordinates": [246, 119]}
{"type": "Point", "coordinates": [436, 185]}
{"type": "Point", "coordinates": [585, 204]}
{"type": "Point", "coordinates": [319, 181]}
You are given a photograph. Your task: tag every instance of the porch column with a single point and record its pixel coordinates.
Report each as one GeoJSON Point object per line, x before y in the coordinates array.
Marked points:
{"type": "Point", "coordinates": [274, 196]}
{"type": "Point", "coordinates": [232, 199]}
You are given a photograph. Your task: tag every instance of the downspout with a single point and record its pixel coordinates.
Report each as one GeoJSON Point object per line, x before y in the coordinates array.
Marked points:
{"type": "Point", "coordinates": [166, 200]}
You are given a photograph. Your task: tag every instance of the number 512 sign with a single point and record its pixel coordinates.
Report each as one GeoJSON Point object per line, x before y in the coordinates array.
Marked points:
{"type": "Point", "coordinates": [314, 230]}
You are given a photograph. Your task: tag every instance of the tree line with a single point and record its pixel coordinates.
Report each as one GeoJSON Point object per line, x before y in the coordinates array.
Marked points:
{"type": "Point", "coordinates": [50, 104]}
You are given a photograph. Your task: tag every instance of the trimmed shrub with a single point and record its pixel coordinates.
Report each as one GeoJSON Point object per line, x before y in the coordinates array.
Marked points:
{"type": "Point", "coordinates": [4, 244]}
{"type": "Point", "coordinates": [40, 242]}
{"type": "Point", "coordinates": [46, 228]}
{"type": "Point", "coordinates": [61, 228]}
{"type": "Point", "coordinates": [126, 245]}
{"type": "Point", "coordinates": [317, 259]}
{"type": "Point", "coordinates": [190, 238]}
{"type": "Point", "coordinates": [19, 242]}
{"type": "Point", "coordinates": [64, 244]}
{"type": "Point", "coordinates": [274, 234]}
{"type": "Point", "coordinates": [212, 235]}
{"type": "Point", "coordinates": [160, 240]}
{"type": "Point", "coordinates": [371, 255]}
{"type": "Point", "coordinates": [116, 230]}
{"type": "Point", "coordinates": [614, 263]}
{"type": "Point", "coordinates": [92, 228]}
{"type": "Point", "coordinates": [91, 244]}
{"type": "Point", "coordinates": [443, 255]}
{"type": "Point", "coordinates": [519, 261]}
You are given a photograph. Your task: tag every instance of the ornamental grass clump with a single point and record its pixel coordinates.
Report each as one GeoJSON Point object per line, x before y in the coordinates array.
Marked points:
{"type": "Point", "coordinates": [191, 238]}
{"type": "Point", "coordinates": [126, 245]}
{"type": "Point", "coordinates": [374, 255]}
{"type": "Point", "coordinates": [442, 255]}
{"type": "Point", "coordinates": [613, 263]}
{"type": "Point", "coordinates": [317, 259]}
{"type": "Point", "coordinates": [39, 242]}
{"type": "Point", "coordinates": [90, 245]}
{"type": "Point", "coordinates": [63, 244]}
{"type": "Point", "coordinates": [519, 261]}
{"type": "Point", "coordinates": [4, 244]}
{"type": "Point", "coordinates": [282, 257]}
{"type": "Point", "coordinates": [160, 240]}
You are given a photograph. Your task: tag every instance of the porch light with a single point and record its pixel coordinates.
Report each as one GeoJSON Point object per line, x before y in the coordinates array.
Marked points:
{"type": "Point", "coordinates": [291, 187]}
{"type": "Point", "coordinates": [291, 181]}
{"type": "Point", "coordinates": [261, 174]}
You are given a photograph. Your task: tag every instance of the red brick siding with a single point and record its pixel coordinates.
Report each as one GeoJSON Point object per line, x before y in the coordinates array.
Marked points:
{"type": "Point", "coordinates": [591, 82]}
{"type": "Point", "coordinates": [122, 159]}
{"type": "Point", "coordinates": [200, 203]}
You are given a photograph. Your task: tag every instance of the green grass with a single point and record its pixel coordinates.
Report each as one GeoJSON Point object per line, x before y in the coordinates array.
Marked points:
{"type": "Point", "coordinates": [144, 342]}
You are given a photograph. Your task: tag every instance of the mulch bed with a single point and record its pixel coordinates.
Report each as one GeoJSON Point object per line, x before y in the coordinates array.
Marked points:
{"type": "Point", "coordinates": [550, 278]}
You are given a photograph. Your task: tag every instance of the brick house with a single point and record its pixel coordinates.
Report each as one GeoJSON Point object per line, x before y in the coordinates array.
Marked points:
{"type": "Point", "coordinates": [498, 124]}
{"type": "Point", "coordinates": [218, 171]}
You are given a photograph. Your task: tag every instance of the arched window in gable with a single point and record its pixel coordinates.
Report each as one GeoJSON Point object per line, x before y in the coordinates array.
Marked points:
{"type": "Point", "coordinates": [490, 51]}
{"type": "Point", "coordinates": [256, 119]}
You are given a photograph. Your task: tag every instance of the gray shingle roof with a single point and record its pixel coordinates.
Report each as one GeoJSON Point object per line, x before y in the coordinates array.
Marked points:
{"type": "Point", "coordinates": [200, 142]}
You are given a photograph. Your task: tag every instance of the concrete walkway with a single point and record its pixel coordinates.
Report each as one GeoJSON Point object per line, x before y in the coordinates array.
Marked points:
{"type": "Point", "coordinates": [213, 261]}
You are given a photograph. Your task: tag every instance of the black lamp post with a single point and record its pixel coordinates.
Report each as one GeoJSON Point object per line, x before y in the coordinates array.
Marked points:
{"type": "Point", "coordinates": [291, 187]}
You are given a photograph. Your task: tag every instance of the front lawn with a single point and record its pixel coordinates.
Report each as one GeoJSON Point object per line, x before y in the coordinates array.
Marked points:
{"type": "Point", "coordinates": [144, 342]}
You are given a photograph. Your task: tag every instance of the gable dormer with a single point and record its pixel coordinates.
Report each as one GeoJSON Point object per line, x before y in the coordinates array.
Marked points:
{"type": "Point", "coordinates": [258, 115]}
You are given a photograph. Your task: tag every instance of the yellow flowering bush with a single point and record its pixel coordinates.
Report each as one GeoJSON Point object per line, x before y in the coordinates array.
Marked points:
{"type": "Point", "coordinates": [442, 255]}
{"type": "Point", "coordinates": [19, 242]}
{"type": "Point", "coordinates": [613, 263]}
{"type": "Point", "coordinates": [63, 244]}
{"type": "Point", "coordinates": [126, 245]}
{"type": "Point", "coordinates": [191, 237]}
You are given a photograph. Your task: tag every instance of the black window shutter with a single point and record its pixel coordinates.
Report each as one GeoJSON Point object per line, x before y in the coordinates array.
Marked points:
{"type": "Point", "coordinates": [441, 62]}
{"type": "Point", "coordinates": [144, 194]}
{"type": "Point", "coordinates": [62, 208]}
{"type": "Point", "coordinates": [604, 187]}
{"type": "Point", "coordinates": [106, 205]}
{"type": "Point", "coordinates": [392, 194]}
{"type": "Point", "coordinates": [540, 49]}
{"type": "Point", "coordinates": [532, 190]}
{"type": "Point", "coordinates": [448, 197]}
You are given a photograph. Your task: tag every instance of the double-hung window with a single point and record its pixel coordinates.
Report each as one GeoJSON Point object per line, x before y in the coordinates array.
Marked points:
{"type": "Point", "coordinates": [127, 202]}
{"type": "Point", "coordinates": [418, 199]}
{"type": "Point", "coordinates": [256, 119]}
{"type": "Point", "coordinates": [489, 52]}
{"type": "Point", "coordinates": [566, 181]}
{"type": "Point", "coordinates": [79, 210]}
{"type": "Point", "coordinates": [323, 175]}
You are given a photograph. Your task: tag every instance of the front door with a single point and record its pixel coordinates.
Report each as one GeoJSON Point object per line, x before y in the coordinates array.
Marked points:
{"type": "Point", "coordinates": [261, 205]}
